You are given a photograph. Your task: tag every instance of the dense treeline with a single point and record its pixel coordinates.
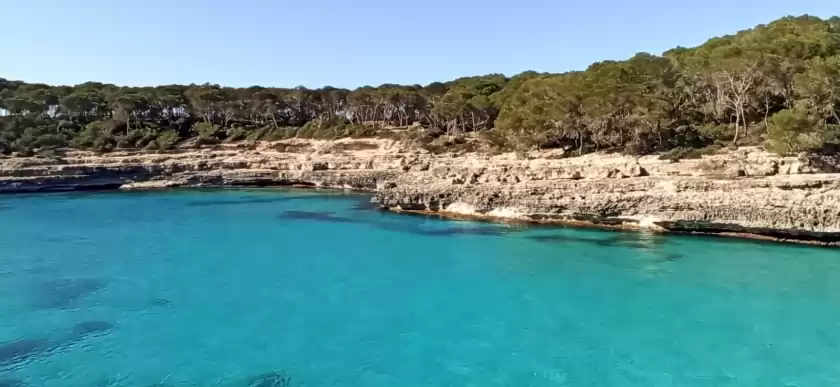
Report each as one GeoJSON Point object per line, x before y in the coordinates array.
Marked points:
{"type": "Point", "coordinates": [776, 84]}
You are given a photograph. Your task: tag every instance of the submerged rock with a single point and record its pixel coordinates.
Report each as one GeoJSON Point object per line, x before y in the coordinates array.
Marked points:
{"type": "Point", "coordinates": [87, 328]}
{"type": "Point", "coordinates": [22, 349]}
{"type": "Point", "coordinates": [10, 382]}
{"type": "Point", "coordinates": [59, 294]}
{"type": "Point", "coordinates": [316, 216]}
{"type": "Point", "coordinates": [271, 379]}
{"type": "Point", "coordinates": [162, 302]}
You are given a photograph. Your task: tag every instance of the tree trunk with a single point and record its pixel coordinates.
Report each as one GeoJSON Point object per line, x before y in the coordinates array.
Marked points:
{"type": "Point", "coordinates": [580, 142]}
{"type": "Point", "coordinates": [659, 133]}
{"type": "Point", "coordinates": [766, 109]}
{"type": "Point", "coordinates": [737, 128]}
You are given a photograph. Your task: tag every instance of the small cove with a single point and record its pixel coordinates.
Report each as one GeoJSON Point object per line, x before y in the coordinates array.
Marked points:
{"type": "Point", "coordinates": [236, 287]}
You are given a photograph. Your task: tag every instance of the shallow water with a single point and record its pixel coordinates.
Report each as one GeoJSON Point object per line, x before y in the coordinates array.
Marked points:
{"type": "Point", "coordinates": [222, 288]}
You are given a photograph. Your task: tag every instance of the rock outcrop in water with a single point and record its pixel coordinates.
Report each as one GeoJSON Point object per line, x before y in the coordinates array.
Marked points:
{"type": "Point", "coordinates": [744, 192]}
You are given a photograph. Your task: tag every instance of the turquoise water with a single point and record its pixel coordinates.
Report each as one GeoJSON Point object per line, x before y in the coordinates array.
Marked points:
{"type": "Point", "coordinates": [224, 288]}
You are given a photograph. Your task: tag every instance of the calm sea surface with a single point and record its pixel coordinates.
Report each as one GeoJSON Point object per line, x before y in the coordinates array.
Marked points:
{"type": "Point", "coordinates": [303, 288]}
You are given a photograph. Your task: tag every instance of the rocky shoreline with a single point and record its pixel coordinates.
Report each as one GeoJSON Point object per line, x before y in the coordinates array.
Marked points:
{"type": "Point", "coordinates": [744, 193]}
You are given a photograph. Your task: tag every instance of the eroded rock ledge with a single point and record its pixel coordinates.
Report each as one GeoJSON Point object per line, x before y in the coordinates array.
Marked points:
{"type": "Point", "coordinates": [742, 193]}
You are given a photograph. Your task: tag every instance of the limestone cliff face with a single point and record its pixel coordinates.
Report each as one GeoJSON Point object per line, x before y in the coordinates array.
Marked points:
{"type": "Point", "coordinates": [351, 164]}
{"type": "Point", "coordinates": [742, 192]}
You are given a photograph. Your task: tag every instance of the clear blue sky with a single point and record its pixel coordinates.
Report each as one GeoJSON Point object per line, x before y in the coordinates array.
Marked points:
{"type": "Point", "coordinates": [349, 43]}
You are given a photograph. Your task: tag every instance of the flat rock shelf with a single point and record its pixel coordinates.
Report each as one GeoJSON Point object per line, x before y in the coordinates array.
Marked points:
{"type": "Point", "coordinates": [744, 193]}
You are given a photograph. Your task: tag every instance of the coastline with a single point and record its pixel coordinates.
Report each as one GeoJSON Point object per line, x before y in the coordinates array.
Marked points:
{"type": "Point", "coordinates": [618, 227]}
{"type": "Point", "coordinates": [745, 194]}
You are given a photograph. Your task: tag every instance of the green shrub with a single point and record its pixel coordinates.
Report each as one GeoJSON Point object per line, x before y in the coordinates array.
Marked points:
{"type": "Point", "coordinates": [208, 131]}
{"type": "Point", "coordinates": [29, 138]}
{"type": "Point", "coordinates": [130, 139]}
{"type": "Point", "coordinates": [48, 152]}
{"type": "Point", "coordinates": [831, 134]}
{"type": "Point", "coordinates": [152, 145]}
{"type": "Point", "coordinates": [96, 136]}
{"type": "Point", "coordinates": [167, 139]}
{"type": "Point", "coordinates": [792, 131]}
{"type": "Point", "coordinates": [315, 129]}
{"type": "Point", "coordinates": [200, 141]}
{"type": "Point", "coordinates": [257, 134]}
{"type": "Point", "coordinates": [282, 133]}
{"type": "Point", "coordinates": [333, 128]}
{"type": "Point", "coordinates": [50, 140]}
{"type": "Point", "coordinates": [360, 131]}
{"type": "Point", "coordinates": [717, 132]}
{"type": "Point", "coordinates": [148, 138]}
{"type": "Point", "coordinates": [237, 134]}
{"type": "Point", "coordinates": [104, 143]}
{"type": "Point", "coordinates": [270, 133]}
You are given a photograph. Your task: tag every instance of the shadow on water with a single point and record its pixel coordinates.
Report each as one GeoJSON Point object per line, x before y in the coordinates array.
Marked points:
{"type": "Point", "coordinates": [161, 302]}
{"type": "Point", "coordinates": [392, 226]}
{"type": "Point", "coordinates": [317, 216]}
{"type": "Point", "coordinates": [60, 294]}
{"type": "Point", "coordinates": [649, 243]}
{"type": "Point", "coordinates": [243, 200]}
{"type": "Point", "coordinates": [27, 349]}
{"type": "Point", "coordinates": [451, 231]}
{"type": "Point", "coordinates": [271, 379]}
{"type": "Point", "coordinates": [240, 201]}
{"type": "Point", "coordinates": [636, 241]}
{"type": "Point", "coordinates": [22, 349]}
{"type": "Point", "coordinates": [365, 205]}
{"type": "Point", "coordinates": [90, 328]}
{"type": "Point", "coordinates": [9, 382]}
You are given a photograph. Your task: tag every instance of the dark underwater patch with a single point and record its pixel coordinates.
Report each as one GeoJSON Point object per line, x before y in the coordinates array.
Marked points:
{"type": "Point", "coordinates": [364, 205]}
{"type": "Point", "coordinates": [233, 202]}
{"type": "Point", "coordinates": [569, 239]}
{"type": "Point", "coordinates": [444, 232]}
{"type": "Point", "coordinates": [393, 226]}
{"type": "Point", "coordinates": [263, 200]}
{"type": "Point", "coordinates": [20, 350]}
{"type": "Point", "coordinates": [59, 294]}
{"type": "Point", "coordinates": [9, 382]}
{"type": "Point", "coordinates": [317, 216]}
{"type": "Point", "coordinates": [162, 302]}
{"type": "Point", "coordinates": [271, 379]}
{"type": "Point", "coordinates": [453, 231]}
{"type": "Point", "coordinates": [670, 257]}
{"type": "Point", "coordinates": [92, 327]}
{"type": "Point", "coordinates": [649, 243]}
{"type": "Point", "coordinates": [617, 240]}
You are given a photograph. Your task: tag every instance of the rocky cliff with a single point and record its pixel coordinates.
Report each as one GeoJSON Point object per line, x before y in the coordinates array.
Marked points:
{"type": "Point", "coordinates": [746, 192]}
{"type": "Point", "coordinates": [362, 165]}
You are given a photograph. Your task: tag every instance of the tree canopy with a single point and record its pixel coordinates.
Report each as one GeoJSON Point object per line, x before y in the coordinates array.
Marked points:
{"type": "Point", "coordinates": [776, 84]}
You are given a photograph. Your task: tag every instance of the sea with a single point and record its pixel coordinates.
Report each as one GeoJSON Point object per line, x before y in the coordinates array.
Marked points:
{"type": "Point", "coordinates": [278, 288]}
